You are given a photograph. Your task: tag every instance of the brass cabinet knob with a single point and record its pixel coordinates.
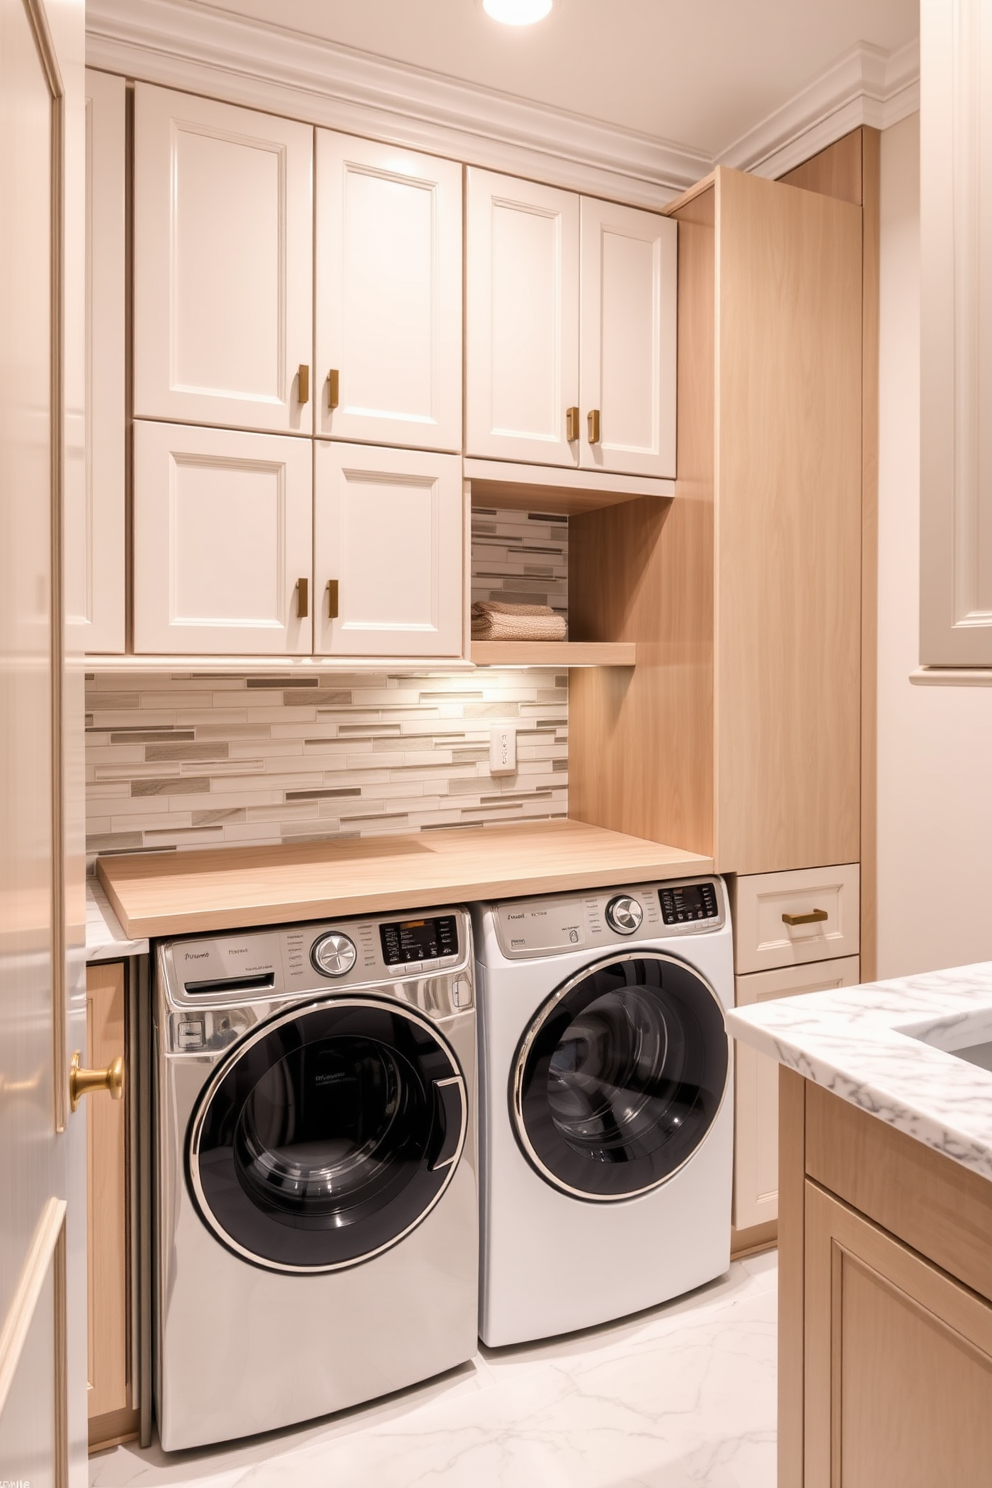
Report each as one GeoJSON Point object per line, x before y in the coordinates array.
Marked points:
{"type": "Point", "coordinates": [302, 598]}
{"type": "Point", "coordinates": [333, 388]}
{"type": "Point", "coordinates": [571, 424]}
{"type": "Point", "coordinates": [84, 1081]}
{"type": "Point", "coordinates": [595, 428]}
{"type": "Point", "coordinates": [303, 380]}
{"type": "Point", "coordinates": [332, 599]}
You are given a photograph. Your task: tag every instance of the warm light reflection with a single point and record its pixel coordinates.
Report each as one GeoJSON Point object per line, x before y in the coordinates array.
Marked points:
{"type": "Point", "coordinates": [517, 12]}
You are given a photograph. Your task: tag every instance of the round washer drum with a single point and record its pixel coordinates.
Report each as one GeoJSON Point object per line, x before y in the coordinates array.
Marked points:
{"type": "Point", "coordinates": [327, 1135]}
{"type": "Point", "coordinates": [620, 1075]}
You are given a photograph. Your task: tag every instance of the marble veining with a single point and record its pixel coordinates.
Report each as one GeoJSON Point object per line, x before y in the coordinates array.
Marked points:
{"type": "Point", "coordinates": [887, 1047]}
{"type": "Point", "coordinates": [676, 1397]}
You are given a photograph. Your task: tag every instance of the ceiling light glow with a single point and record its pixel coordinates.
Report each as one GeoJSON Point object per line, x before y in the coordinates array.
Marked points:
{"type": "Point", "coordinates": [517, 12]}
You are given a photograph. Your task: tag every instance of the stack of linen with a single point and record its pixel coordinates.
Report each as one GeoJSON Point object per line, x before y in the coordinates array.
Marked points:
{"type": "Point", "coordinates": [495, 621]}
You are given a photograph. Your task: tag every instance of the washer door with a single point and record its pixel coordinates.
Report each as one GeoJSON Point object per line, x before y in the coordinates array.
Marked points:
{"type": "Point", "coordinates": [327, 1135]}
{"type": "Point", "coordinates": [620, 1076]}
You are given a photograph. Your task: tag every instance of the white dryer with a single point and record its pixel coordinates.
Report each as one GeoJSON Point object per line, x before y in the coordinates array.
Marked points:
{"type": "Point", "coordinates": [606, 1139]}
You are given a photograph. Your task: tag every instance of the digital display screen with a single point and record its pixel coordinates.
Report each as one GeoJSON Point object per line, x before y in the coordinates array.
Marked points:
{"type": "Point", "coordinates": [419, 940]}
{"type": "Point", "coordinates": [684, 902]}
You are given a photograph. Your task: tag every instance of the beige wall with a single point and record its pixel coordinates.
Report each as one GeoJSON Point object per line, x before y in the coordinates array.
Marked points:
{"type": "Point", "coordinates": [934, 743]}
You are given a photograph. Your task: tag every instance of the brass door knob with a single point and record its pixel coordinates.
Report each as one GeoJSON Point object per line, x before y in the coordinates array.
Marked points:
{"type": "Point", "coordinates": [83, 1081]}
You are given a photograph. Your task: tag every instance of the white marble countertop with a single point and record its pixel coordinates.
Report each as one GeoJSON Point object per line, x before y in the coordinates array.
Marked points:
{"type": "Point", "coordinates": [105, 939]}
{"type": "Point", "coordinates": [887, 1048]}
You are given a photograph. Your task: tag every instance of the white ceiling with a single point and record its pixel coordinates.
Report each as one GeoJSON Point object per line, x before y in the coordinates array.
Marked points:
{"type": "Point", "coordinates": [698, 73]}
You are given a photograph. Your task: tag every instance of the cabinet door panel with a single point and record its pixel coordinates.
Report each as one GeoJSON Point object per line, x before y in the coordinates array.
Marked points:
{"type": "Point", "coordinates": [388, 531]}
{"type": "Point", "coordinates": [222, 263]}
{"type": "Point", "coordinates": [628, 338]}
{"type": "Point", "coordinates": [95, 501]}
{"type": "Point", "coordinates": [389, 294]}
{"type": "Point", "coordinates": [222, 534]}
{"type": "Point", "coordinates": [756, 1087]}
{"type": "Point", "coordinates": [522, 355]}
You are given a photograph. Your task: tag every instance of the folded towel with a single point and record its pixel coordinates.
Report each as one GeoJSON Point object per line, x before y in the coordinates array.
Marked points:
{"type": "Point", "coordinates": [494, 621]}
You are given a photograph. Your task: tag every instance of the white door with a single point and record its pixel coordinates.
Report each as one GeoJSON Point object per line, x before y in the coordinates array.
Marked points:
{"type": "Point", "coordinates": [522, 306]}
{"type": "Point", "coordinates": [628, 339]}
{"type": "Point", "coordinates": [95, 496]}
{"type": "Point", "coordinates": [389, 295]}
{"type": "Point", "coordinates": [387, 552]}
{"type": "Point", "coordinates": [222, 542]}
{"type": "Point", "coordinates": [42, 995]}
{"type": "Point", "coordinates": [223, 264]}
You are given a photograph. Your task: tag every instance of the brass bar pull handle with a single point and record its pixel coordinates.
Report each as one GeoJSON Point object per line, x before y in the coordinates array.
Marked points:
{"type": "Point", "coordinates": [332, 599]}
{"type": "Point", "coordinates": [303, 379]}
{"type": "Point", "coordinates": [595, 431]}
{"type": "Point", "coordinates": [302, 598]}
{"type": "Point", "coordinates": [815, 917]}
{"type": "Point", "coordinates": [85, 1081]}
{"type": "Point", "coordinates": [333, 388]}
{"type": "Point", "coordinates": [571, 424]}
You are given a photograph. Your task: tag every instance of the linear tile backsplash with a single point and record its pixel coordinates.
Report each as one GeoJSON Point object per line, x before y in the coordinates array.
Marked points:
{"type": "Point", "coordinates": [180, 761]}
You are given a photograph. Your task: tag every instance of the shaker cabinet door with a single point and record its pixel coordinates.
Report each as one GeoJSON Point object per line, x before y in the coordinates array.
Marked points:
{"type": "Point", "coordinates": [223, 263]}
{"type": "Point", "coordinates": [628, 340]}
{"type": "Point", "coordinates": [522, 342]}
{"type": "Point", "coordinates": [222, 542]}
{"type": "Point", "coordinates": [389, 295]}
{"type": "Point", "coordinates": [387, 552]}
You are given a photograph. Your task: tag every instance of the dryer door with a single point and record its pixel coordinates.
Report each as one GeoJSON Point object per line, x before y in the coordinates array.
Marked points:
{"type": "Point", "coordinates": [327, 1135]}
{"type": "Point", "coordinates": [620, 1076]}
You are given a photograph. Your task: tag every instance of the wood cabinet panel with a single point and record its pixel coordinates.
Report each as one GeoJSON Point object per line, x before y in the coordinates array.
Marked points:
{"type": "Point", "coordinates": [522, 332]}
{"type": "Point", "coordinates": [223, 263]}
{"type": "Point", "coordinates": [222, 536]}
{"type": "Point", "coordinates": [627, 349]}
{"type": "Point", "coordinates": [389, 296]}
{"type": "Point", "coordinates": [762, 937]}
{"type": "Point", "coordinates": [898, 1362]}
{"type": "Point", "coordinates": [388, 534]}
{"type": "Point", "coordinates": [756, 1088]}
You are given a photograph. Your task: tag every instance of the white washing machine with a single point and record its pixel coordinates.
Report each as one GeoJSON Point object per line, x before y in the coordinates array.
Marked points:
{"type": "Point", "coordinates": [606, 1118]}
{"type": "Point", "coordinates": [316, 1197]}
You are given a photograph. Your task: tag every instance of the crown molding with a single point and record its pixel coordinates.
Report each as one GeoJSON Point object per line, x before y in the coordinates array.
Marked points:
{"type": "Point", "coordinates": [866, 86]}
{"type": "Point", "coordinates": [197, 48]}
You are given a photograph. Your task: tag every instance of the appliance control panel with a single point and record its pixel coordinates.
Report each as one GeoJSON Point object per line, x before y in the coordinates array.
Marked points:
{"type": "Point", "coordinates": [564, 922]}
{"type": "Point", "coordinates": [429, 938]}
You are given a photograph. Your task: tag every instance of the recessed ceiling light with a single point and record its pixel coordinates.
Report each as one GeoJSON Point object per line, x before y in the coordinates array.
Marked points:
{"type": "Point", "coordinates": [517, 12]}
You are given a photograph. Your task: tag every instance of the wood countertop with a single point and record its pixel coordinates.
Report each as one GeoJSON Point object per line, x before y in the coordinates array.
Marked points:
{"type": "Point", "coordinates": [231, 888]}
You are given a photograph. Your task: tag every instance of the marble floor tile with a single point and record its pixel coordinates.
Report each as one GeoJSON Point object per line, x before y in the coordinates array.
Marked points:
{"type": "Point", "coordinates": [677, 1397]}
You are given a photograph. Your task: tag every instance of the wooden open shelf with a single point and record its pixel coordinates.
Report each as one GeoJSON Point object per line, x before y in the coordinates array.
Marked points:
{"type": "Point", "coordinates": [554, 653]}
{"type": "Point", "coordinates": [548, 489]}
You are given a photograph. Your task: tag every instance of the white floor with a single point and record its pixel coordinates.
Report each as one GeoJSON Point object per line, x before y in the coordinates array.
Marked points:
{"type": "Point", "coordinates": [676, 1397]}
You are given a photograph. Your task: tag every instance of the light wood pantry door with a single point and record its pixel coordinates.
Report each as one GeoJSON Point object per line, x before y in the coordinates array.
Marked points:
{"type": "Point", "coordinates": [388, 541]}
{"type": "Point", "coordinates": [522, 335]}
{"type": "Point", "coordinates": [389, 295]}
{"type": "Point", "coordinates": [628, 339]}
{"type": "Point", "coordinates": [222, 541]}
{"type": "Point", "coordinates": [95, 496]}
{"type": "Point", "coordinates": [223, 264]}
{"type": "Point", "coordinates": [42, 1143]}
{"type": "Point", "coordinates": [756, 1087]}
{"type": "Point", "coordinates": [898, 1366]}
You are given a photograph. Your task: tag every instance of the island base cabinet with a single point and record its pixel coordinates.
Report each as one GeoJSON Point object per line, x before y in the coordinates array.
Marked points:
{"type": "Point", "coordinates": [898, 1362]}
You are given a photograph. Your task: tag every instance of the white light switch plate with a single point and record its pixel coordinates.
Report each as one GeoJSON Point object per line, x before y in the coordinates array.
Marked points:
{"type": "Point", "coordinates": [503, 751]}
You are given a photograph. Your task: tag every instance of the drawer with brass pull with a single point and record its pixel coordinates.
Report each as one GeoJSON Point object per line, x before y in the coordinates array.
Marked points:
{"type": "Point", "coordinates": [786, 919]}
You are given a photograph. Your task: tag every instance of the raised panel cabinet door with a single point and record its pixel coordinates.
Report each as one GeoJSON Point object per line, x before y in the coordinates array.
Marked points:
{"type": "Point", "coordinates": [522, 305]}
{"type": "Point", "coordinates": [387, 552]}
{"type": "Point", "coordinates": [223, 263]}
{"type": "Point", "coordinates": [756, 1087]}
{"type": "Point", "coordinates": [389, 295]}
{"type": "Point", "coordinates": [627, 357]}
{"type": "Point", "coordinates": [222, 542]}
{"type": "Point", "coordinates": [786, 919]}
{"type": "Point", "coordinates": [898, 1361]}
{"type": "Point", "coordinates": [95, 494]}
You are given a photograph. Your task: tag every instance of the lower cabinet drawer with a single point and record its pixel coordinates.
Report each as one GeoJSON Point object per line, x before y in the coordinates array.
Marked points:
{"type": "Point", "coordinates": [787, 919]}
{"type": "Point", "coordinates": [756, 1088]}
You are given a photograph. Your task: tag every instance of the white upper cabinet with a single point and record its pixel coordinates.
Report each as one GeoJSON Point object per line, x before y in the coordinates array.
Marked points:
{"type": "Point", "coordinates": [628, 320]}
{"type": "Point", "coordinates": [222, 542]}
{"type": "Point", "coordinates": [389, 295]}
{"type": "Point", "coordinates": [223, 264]}
{"type": "Point", "coordinates": [388, 544]}
{"type": "Point", "coordinates": [95, 498]}
{"type": "Point", "coordinates": [522, 350]}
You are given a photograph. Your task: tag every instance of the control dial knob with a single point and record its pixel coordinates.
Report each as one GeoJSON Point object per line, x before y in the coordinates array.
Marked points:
{"type": "Point", "coordinates": [624, 914]}
{"type": "Point", "coordinates": [334, 954]}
